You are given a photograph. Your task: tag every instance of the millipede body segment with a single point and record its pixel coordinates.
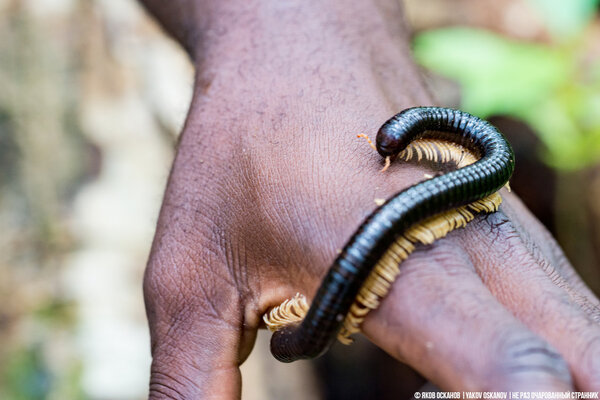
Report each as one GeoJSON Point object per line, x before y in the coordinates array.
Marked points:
{"type": "Point", "coordinates": [394, 219]}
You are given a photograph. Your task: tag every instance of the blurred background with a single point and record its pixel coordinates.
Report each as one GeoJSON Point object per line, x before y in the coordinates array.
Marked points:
{"type": "Point", "coordinates": [92, 98]}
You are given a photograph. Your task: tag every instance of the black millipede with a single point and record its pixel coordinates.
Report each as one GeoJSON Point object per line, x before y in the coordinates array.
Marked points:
{"type": "Point", "coordinates": [317, 331]}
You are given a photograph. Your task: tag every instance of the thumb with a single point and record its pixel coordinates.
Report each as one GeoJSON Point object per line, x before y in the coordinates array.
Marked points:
{"type": "Point", "coordinates": [194, 365]}
{"type": "Point", "coordinates": [197, 334]}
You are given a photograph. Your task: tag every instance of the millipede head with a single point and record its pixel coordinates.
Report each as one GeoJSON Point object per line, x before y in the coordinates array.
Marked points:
{"type": "Point", "coordinates": [391, 139]}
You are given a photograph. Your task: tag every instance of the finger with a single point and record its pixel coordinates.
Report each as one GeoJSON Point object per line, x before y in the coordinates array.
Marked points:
{"type": "Point", "coordinates": [199, 335]}
{"type": "Point", "coordinates": [537, 236]}
{"type": "Point", "coordinates": [546, 304]}
{"type": "Point", "coordinates": [194, 365]}
{"type": "Point", "coordinates": [440, 319]}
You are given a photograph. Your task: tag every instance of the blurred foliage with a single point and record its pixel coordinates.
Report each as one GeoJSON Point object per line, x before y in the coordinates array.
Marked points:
{"type": "Point", "coordinates": [9, 150]}
{"type": "Point", "coordinates": [553, 87]}
{"type": "Point", "coordinates": [84, 82]}
{"type": "Point", "coordinates": [27, 376]}
{"type": "Point", "coordinates": [565, 19]}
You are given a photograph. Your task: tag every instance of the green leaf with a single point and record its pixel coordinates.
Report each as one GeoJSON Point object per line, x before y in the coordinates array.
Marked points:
{"type": "Point", "coordinates": [497, 76]}
{"type": "Point", "coordinates": [544, 86]}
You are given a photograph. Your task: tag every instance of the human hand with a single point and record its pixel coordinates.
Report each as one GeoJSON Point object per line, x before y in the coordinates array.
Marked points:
{"type": "Point", "coordinates": [269, 181]}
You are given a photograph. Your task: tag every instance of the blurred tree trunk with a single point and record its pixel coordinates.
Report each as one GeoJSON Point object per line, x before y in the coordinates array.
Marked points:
{"type": "Point", "coordinates": [577, 221]}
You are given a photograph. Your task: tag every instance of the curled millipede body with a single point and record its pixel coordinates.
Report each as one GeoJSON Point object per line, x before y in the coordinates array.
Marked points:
{"type": "Point", "coordinates": [395, 220]}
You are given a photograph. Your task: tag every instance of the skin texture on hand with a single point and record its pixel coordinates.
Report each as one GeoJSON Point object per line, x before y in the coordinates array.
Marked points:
{"type": "Point", "coordinates": [270, 180]}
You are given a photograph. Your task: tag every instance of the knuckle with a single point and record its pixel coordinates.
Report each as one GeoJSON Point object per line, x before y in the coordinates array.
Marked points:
{"type": "Point", "coordinates": [441, 259]}
{"type": "Point", "coordinates": [502, 232]}
{"type": "Point", "coordinates": [179, 372]}
{"type": "Point", "coordinates": [159, 390]}
{"type": "Point", "coordinates": [176, 304]}
{"type": "Point", "coordinates": [161, 289]}
{"type": "Point", "coordinates": [589, 377]}
{"type": "Point", "coordinates": [168, 387]}
{"type": "Point", "coordinates": [524, 357]}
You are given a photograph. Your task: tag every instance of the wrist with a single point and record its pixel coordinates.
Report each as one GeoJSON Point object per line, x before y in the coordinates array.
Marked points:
{"type": "Point", "coordinates": [291, 23]}
{"type": "Point", "coordinates": [262, 49]}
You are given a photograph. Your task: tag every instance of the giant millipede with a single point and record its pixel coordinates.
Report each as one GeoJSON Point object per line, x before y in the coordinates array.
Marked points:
{"type": "Point", "coordinates": [362, 273]}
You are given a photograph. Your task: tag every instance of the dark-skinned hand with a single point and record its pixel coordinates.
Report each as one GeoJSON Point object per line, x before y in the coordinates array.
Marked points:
{"type": "Point", "coordinates": [270, 180]}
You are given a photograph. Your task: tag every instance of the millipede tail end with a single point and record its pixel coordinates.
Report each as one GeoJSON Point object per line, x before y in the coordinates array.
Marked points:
{"type": "Point", "coordinates": [290, 312]}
